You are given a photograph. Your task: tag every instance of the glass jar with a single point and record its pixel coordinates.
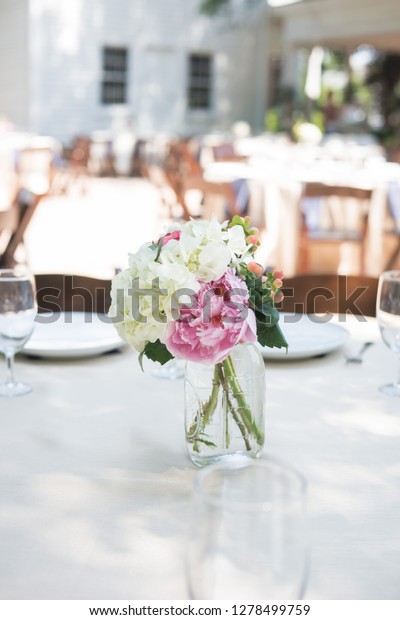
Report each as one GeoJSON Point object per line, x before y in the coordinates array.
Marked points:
{"type": "Point", "coordinates": [224, 406]}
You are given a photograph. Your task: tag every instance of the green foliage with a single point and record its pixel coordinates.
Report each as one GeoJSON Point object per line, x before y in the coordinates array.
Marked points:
{"type": "Point", "coordinates": [213, 7]}
{"type": "Point", "coordinates": [157, 352]}
{"type": "Point", "coordinates": [317, 118]}
{"type": "Point", "coordinates": [270, 336]}
{"type": "Point", "coordinates": [272, 120]}
{"type": "Point", "coordinates": [269, 333]}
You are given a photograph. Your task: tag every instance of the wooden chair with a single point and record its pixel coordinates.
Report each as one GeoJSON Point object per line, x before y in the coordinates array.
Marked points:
{"type": "Point", "coordinates": [17, 221]}
{"type": "Point", "coordinates": [60, 292]}
{"type": "Point", "coordinates": [77, 159]}
{"type": "Point", "coordinates": [339, 294]}
{"type": "Point", "coordinates": [184, 173]}
{"type": "Point", "coordinates": [35, 169]}
{"type": "Point", "coordinates": [340, 230]}
{"type": "Point", "coordinates": [8, 225]}
{"type": "Point", "coordinates": [167, 192]}
{"type": "Point", "coordinates": [395, 256]}
{"type": "Point", "coordinates": [34, 173]}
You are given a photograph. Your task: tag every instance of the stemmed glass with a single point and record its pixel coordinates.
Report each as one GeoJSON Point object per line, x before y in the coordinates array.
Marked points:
{"type": "Point", "coordinates": [172, 370]}
{"type": "Point", "coordinates": [388, 316]}
{"type": "Point", "coordinates": [17, 315]}
{"type": "Point", "coordinates": [248, 535]}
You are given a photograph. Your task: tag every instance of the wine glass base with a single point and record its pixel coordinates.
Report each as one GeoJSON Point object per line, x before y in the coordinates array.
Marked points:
{"type": "Point", "coordinates": [392, 389]}
{"type": "Point", "coordinates": [14, 389]}
{"type": "Point", "coordinates": [172, 370]}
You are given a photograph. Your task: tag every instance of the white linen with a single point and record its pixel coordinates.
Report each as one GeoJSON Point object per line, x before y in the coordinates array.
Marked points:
{"type": "Point", "coordinates": [95, 484]}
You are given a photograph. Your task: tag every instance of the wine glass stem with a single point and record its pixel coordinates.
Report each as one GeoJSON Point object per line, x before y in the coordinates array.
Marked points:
{"type": "Point", "coordinates": [398, 373]}
{"type": "Point", "coordinates": [10, 369]}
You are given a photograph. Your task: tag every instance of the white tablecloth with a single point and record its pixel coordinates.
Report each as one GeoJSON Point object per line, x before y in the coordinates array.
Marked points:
{"type": "Point", "coordinates": [95, 483]}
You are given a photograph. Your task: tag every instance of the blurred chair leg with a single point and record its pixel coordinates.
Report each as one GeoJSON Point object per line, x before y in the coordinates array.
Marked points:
{"type": "Point", "coordinates": [27, 208]}
{"type": "Point", "coordinates": [393, 259]}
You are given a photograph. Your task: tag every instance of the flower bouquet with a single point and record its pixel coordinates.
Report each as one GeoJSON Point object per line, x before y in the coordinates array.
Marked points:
{"type": "Point", "coordinates": [196, 294]}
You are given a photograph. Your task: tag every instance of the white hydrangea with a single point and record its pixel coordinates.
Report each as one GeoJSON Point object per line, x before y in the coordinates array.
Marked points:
{"type": "Point", "coordinates": [203, 253]}
{"type": "Point", "coordinates": [236, 242]}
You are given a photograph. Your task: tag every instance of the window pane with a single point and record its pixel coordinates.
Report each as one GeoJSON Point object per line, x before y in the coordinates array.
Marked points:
{"type": "Point", "coordinates": [200, 75]}
{"type": "Point", "coordinates": [114, 81]}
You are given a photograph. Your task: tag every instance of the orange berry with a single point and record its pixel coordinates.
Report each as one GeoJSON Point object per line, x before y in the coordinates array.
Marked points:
{"type": "Point", "coordinates": [255, 268]}
{"type": "Point", "coordinates": [252, 239]}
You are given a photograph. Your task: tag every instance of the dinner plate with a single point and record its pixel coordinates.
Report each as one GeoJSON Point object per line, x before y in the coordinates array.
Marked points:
{"type": "Point", "coordinates": [307, 336]}
{"type": "Point", "coordinates": [72, 335]}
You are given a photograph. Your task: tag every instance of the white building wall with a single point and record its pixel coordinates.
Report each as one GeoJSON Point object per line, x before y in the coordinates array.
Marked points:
{"type": "Point", "coordinates": [14, 86]}
{"type": "Point", "coordinates": [67, 41]}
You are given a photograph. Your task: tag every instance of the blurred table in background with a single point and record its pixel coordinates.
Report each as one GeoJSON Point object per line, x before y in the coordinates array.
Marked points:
{"type": "Point", "coordinates": [275, 205]}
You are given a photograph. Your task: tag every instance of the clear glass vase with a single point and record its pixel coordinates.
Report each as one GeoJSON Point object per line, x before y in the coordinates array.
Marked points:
{"type": "Point", "coordinates": [224, 406]}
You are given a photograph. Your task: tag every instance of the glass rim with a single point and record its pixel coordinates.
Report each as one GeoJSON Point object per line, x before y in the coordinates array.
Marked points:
{"type": "Point", "coordinates": [391, 274]}
{"type": "Point", "coordinates": [238, 462]}
{"type": "Point", "coordinates": [19, 272]}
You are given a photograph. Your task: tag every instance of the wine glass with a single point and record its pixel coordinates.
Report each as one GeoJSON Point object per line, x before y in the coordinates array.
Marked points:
{"type": "Point", "coordinates": [17, 315]}
{"type": "Point", "coordinates": [388, 316]}
{"type": "Point", "coordinates": [248, 536]}
{"type": "Point", "coordinates": [174, 369]}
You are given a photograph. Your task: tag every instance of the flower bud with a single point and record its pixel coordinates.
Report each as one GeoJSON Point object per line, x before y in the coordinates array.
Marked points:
{"type": "Point", "coordinates": [252, 239]}
{"type": "Point", "coordinates": [277, 283]}
{"type": "Point", "coordinates": [255, 268]}
{"type": "Point", "coordinates": [278, 297]}
{"type": "Point", "coordinates": [278, 274]}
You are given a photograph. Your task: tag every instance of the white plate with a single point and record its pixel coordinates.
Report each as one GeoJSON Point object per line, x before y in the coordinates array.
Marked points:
{"type": "Point", "coordinates": [72, 335]}
{"type": "Point", "coordinates": [307, 336]}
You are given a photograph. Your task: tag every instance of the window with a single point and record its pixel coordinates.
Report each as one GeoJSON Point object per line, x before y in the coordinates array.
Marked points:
{"type": "Point", "coordinates": [115, 75]}
{"type": "Point", "coordinates": [200, 78]}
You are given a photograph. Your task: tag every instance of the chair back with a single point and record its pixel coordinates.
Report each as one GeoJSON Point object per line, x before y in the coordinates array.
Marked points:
{"type": "Point", "coordinates": [34, 167]}
{"type": "Point", "coordinates": [341, 215]}
{"type": "Point", "coordinates": [61, 292]}
{"type": "Point", "coordinates": [339, 294]}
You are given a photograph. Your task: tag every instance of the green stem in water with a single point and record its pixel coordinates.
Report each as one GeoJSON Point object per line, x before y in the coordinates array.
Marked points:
{"type": "Point", "coordinates": [204, 416]}
{"type": "Point", "coordinates": [231, 406]}
{"type": "Point", "coordinates": [245, 411]}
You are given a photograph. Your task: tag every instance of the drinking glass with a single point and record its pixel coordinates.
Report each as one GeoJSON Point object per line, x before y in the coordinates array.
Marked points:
{"type": "Point", "coordinates": [174, 369]}
{"type": "Point", "coordinates": [17, 315]}
{"type": "Point", "coordinates": [388, 316]}
{"type": "Point", "coordinates": [248, 535]}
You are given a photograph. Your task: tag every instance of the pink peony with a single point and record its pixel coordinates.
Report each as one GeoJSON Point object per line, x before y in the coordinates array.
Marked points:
{"type": "Point", "coordinates": [219, 319]}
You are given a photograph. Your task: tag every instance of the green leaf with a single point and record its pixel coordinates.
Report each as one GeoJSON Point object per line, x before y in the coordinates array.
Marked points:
{"type": "Point", "coordinates": [270, 336]}
{"type": "Point", "coordinates": [157, 352]}
{"type": "Point", "coordinates": [206, 442]}
{"type": "Point", "coordinates": [159, 247]}
{"type": "Point", "coordinates": [236, 221]}
{"type": "Point", "coordinates": [270, 313]}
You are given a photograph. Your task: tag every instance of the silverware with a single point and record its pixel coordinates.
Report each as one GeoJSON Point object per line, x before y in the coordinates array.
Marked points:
{"type": "Point", "coordinates": [357, 358]}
